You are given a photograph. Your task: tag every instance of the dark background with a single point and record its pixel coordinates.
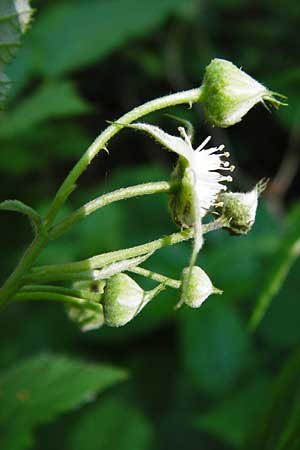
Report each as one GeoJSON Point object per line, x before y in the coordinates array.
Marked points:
{"type": "Point", "coordinates": [198, 379]}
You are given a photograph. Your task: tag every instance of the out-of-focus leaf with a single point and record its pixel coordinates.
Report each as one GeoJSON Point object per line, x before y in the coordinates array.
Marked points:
{"type": "Point", "coordinates": [232, 420]}
{"type": "Point", "coordinates": [15, 16]}
{"type": "Point", "coordinates": [214, 345]}
{"type": "Point", "coordinates": [285, 257]}
{"type": "Point", "coordinates": [39, 389]}
{"type": "Point", "coordinates": [52, 100]}
{"type": "Point", "coordinates": [112, 424]}
{"type": "Point", "coordinates": [67, 37]}
{"type": "Point", "coordinates": [288, 82]}
{"type": "Point", "coordinates": [40, 147]}
{"type": "Point", "coordinates": [278, 427]}
{"type": "Point", "coordinates": [280, 326]}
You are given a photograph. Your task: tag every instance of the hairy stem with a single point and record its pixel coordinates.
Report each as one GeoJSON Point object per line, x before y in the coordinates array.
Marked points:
{"type": "Point", "coordinates": [52, 296]}
{"type": "Point", "coordinates": [189, 97]}
{"type": "Point", "coordinates": [66, 270]}
{"type": "Point", "coordinates": [14, 282]}
{"type": "Point", "coordinates": [79, 293]}
{"type": "Point", "coordinates": [175, 284]}
{"type": "Point", "coordinates": [106, 199]}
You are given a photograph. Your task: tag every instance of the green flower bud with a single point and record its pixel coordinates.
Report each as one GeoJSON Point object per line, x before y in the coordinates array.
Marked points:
{"type": "Point", "coordinates": [229, 93]}
{"type": "Point", "coordinates": [239, 209]}
{"type": "Point", "coordinates": [122, 301]}
{"type": "Point", "coordinates": [197, 287]}
{"type": "Point", "coordinates": [86, 318]}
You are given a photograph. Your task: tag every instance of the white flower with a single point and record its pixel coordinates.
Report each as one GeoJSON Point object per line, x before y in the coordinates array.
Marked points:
{"type": "Point", "coordinates": [203, 166]}
{"type": "Point", "coordinates": [197, 183]}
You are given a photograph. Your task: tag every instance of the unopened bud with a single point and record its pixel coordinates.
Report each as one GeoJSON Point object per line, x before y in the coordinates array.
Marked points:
{"type": "Point", "coordinates": [229, 93]}
{"type": "Point", "coordinates": [122, 301]}
{"type": "Point", "coordinates": [87, 318]}
{"type": "Point", "coordinates": [197, 287]}
{"type": "Point", "coordinates": [239, 209]}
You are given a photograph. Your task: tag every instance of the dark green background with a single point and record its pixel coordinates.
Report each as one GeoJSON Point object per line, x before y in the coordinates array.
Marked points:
{"type": "Point", "coordinates": [197, 378]}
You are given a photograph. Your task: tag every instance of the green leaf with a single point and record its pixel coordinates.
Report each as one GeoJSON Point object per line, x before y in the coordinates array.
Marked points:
{"type": "Point", "coordinates": [17, 206]}
{"type": "Point", "coordinates": [15, 16]}
{"type": "Point", "coordinates": [232, 420]}
{"type": "Point", "coordinates": [280, 326]}
{"type": "Point", "coordinates": [51, 100]}
{"type": "Point", "coordinates": [283, 260]}
{"type": "Point", "coordinates": [214, 345]}
{"type": "Point", "coordinates": [112, 424]}
{"type": "Point", "coordinates": [278, 427]}
{"type": "Point", "coordinates": [67, 37]}
{"type": "Point", "coordinates": [38, 390]}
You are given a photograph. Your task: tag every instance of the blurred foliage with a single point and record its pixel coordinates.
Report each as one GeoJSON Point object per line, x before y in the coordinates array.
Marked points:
{"type": "Point", "coordinates": [15, 17]}
{"type": "Point", "coordinates": [197, 379]}
{"type": "Point", "coordinates": [41, 388]}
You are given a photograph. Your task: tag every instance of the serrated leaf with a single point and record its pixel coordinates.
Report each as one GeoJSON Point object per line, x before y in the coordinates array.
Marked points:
{"type": "Point", "coordinates": [15, 16]}
{"type": "Point", "coordinates": [20, 207]}
{"type": "Point", "coordinates": [122, 428]}
{"type": "Point", "coordinates": [5, 84]}
{"type": "Point", "coordinates": [38, 390]}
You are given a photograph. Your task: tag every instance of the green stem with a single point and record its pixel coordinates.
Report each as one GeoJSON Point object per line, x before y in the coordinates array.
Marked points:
{"type": "Point", "coordinates": [175, 284]}
{"type": "Point", "coordinates": [52, 296]}
{"type": "Point", "coordinates": [80, 293]}
{"type": "Point", "coordinates": [190, 96]}
{"type": "Point", "coordinates": [14, 282]}
{"type": "Point", "coordinates": [99, 261]}
{"type": "Point", "coordinates": [106, 199]}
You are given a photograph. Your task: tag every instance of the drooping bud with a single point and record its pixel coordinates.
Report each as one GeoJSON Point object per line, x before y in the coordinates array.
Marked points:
{"type": "Point", "coordinates": [197, 287]}
{"type": "Point", "coordinates": [239, 209]}
{"type": "Point", "coordinates": [122, 301]}
{"type": "Point", "coordinates": [229, 93]}
{"type": "Point", "coordinates": [88, 318]}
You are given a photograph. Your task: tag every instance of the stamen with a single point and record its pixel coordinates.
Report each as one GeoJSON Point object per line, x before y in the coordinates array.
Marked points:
{"type": "Point", "coordinates": [203, 144]}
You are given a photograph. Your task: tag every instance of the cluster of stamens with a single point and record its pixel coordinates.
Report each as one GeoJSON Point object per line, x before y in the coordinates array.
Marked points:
{"type": "Point", "coordinates": [206, 164]}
